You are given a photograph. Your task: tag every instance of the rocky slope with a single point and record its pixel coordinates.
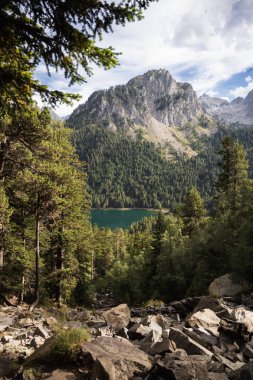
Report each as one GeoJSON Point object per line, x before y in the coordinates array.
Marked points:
{"type": "Point", "coordinates": [238, 111]}
{"type": "Point", "coordinates": [198, 338]}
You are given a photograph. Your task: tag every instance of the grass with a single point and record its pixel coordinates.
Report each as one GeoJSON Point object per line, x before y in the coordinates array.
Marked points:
{"type": "Point", "coordinates": [67, 343]}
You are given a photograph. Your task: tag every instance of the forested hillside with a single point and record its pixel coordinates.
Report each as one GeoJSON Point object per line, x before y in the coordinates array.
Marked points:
{"type": "Point", "coordinates": [132, 172]}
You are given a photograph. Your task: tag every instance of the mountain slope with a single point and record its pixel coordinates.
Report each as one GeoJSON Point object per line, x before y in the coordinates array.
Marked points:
{"type": "Point", "coordinates": [154, 103]}
{"type": "Point", "coordinates": [238, 111]}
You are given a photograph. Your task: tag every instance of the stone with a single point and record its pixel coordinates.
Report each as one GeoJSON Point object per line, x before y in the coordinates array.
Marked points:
{"type": "Point", "coordinates": [159, 320]}
{"type": "Point", "coordinates": [51, 322]}
{"type": "Point", "coordinates": [43, 353]}
{"type": "Point", "coordinates": [166, 345]}
{"type": "Point", "coordinates": [203, 338]}
{"type": "Point", "coordinates": [248, 351]}
{"type": "Point", "coordinates": [189, 345]}
{"type": "Point", "coordinates": [243, 373]}
{"type": "Point", "coordinates": [244, 316]}
{"type": "Point", "coordinates": [40, 331]}
{"type": "Point", "coordinates": [185, 306]}
{"type": "Point", "coordinates": [216, 305]}
{"type": "Point", "coordinates": [6, 338]}
{"type": "Point", "coordinates": [59, 374]}
{"type": "Point", "coordinates": [37, 341]}
{"type": "Point", "coordinates": [228, 363]}
{"type": "Point", "coordinates": [224, 286]}
{"type": "Point", "coordinates": [205, 318]}
{"type": "Point", "coordinates": [216, 376]}
{"type": "Point", "coordinates": [185, 368]}
{"type": "Point", "coordinates": [6, 321]}
{"type": "Point", "coordinates": [117, 317]}
{"type": "Point", "coordinates": [138, 331]}
{"type": "Point", "coordinates": [114, 358]}
{"type": "Point", "coordinates": [7, 368]}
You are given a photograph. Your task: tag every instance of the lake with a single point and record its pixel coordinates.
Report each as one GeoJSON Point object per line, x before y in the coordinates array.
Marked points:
{"type": "Point", "coordinates": [118, 218]}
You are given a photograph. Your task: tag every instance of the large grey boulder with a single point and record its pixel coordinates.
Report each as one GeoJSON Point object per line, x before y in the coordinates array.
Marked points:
{"type": "Point", "coordinates": [224, 286]}
{"type": "Point", "coordinates": [216, 305]}
{"type": "Point", "coordinates": [117, 317]}
{"type": "Point", "coordinates": [114, 358]}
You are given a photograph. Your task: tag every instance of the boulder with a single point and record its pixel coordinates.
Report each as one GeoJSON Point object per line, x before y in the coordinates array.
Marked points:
{"type": "Point", "coordinates": [228, 363]}
{"type": "Point", "coordinates": [205, 318]}
{"type": "Point", "coordinates": [40, 331]}
{"type": "Point", "coordinates": [216, 305]}
{"type": "Point", "coordinates": [189, 345]}
{"type": "Point", "coordinates": [201, 336]}
{"type": "Point", "coordinates": [243, 373]}
{"type": "Point", "coordinates": [184, 368]}
{"type": "Point", "coordinates": [43, 353]}
{"type": "Point", "coordinates": [117, 317]}
{"type": "Point", "coordinates": [224, 286]}
{"type": "Point", "coordinates": [59, 374]}
{"type": "Point", "coordinates": [244, 316]}
{"type": "Point", "coordinates": [5, 321]}
{"type": "Point", "coordinates": [114, 358]}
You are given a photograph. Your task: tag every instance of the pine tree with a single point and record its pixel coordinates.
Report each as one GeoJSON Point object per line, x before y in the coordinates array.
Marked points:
{"type": "Point", "coordinates": [193, 212]}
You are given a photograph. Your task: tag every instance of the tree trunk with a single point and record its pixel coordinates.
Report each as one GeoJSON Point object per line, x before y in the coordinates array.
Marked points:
{"type": "Point", "coordinates": [37, 258]}
{"type": "Point", "coordinates": [59, 267]}
{"type": "Point", "coordinates": [4, 150]}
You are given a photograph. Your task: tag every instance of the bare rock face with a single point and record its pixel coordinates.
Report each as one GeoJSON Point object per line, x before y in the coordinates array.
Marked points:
{"type": "Point", "coordinates": [224, 286]}
{"type": "Point", "coordinates": [114, 358]}
{"type": "Point", "coordinates": [238, 111]}
{"type": "Point", "coordinates": [117, 317]}
{"type": "Point", "coordinates": [154, 96]}
{"type": "Point", "coordinates": [205, 318]}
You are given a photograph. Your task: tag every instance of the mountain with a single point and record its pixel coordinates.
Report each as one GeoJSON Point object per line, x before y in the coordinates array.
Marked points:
{"type": "Point", "coordinates": [153, 103]}
{"type": "Point", "coordinates": [238, 111]}
{"type": "Point", "coordinates": [127, 133]}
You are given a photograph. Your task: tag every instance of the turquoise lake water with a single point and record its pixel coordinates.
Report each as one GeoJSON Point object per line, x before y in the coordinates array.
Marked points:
{"type": "Point", "coordinates": [118, 218]}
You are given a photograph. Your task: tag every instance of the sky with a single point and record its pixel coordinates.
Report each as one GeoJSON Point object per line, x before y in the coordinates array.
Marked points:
{"type": "Point", "coordinates": [208, 43]}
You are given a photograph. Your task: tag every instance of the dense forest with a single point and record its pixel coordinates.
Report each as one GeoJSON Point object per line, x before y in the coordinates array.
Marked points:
{"type": "Point", "coordinates": [131, 172]}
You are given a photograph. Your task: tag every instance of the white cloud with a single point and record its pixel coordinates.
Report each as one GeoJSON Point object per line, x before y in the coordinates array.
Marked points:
{"type": "Point", "coordinates": [248, 79]}
{"type": "Point", "coordinates": [215, 37]}
{"type": "Point", "coordinates": [242, 91]}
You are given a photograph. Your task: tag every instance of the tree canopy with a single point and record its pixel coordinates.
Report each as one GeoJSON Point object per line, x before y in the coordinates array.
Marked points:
{"type": "Point", "coordinates": [64, 35]}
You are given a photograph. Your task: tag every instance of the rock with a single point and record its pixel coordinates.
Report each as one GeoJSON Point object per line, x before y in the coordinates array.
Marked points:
{"type": "Point", "coordinates": [6, 321]}
{"type": "Point", "coordinates": [243, 373]}
{"type": "Point", "coordinates": [248, 351]}
{"type": "Point", "coordinates": [216, 305]}
{"type": "Point", "coordinates": [216, 376]}
{"type": "Point", "coordinates": [202, 337]}
{"type": "Point", "coordinates": [159, 320]}
{"type": "Point", "coordinates": [185, 306]}
{"type": "Point", "coordinates": [117, 317]}
{"type": "Point", "coordinates": [37, 341]}
{"type": "Point", "coordinates": [43, 353]}
{"type": "Point", "coordinates": [114, 358]}
{"type": "Point", "coordinates": [40, 331]}
{"type": "Point", "coordinates": [96, 324]}
{"type": "Point", "coordinates": [228, 363]}
{"type": "Point", "coordinates": [7, 368]}
{"type": "Point", "coordinates": [6, 338]}
{"type": "Point", "coordinates": [59, 374]}
{"type": "Point", "coordinates": [51, 322]}
{"type": "Point", "coordinates": [123, 333]}
{"type": "Point", "coordinates": [104, 331]}
{"type": "Point", "coordinates": [138, 331]}
{"type": "Point", "coordinates": [155, 334]}
{"type": "Point", "coordinates": [224, 286]}
{"type": "Point", "coordinates": [188, 344]}
{"type": "Point", "coordinates": [185, 368]}
{"type": "Point", "coordinates": [205, 318]}
{"type": "Point", "coordinates": [244, 316]}
{"type": "Point", "coordinates": [166, 345]}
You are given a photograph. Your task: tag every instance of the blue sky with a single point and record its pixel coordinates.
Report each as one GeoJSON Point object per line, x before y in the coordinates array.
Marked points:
{"type": "Point", "coordinates": [208, 43]}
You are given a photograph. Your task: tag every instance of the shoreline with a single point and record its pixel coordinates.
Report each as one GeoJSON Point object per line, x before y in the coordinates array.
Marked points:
{"type": "Point", "coordinates": [164, 210]}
